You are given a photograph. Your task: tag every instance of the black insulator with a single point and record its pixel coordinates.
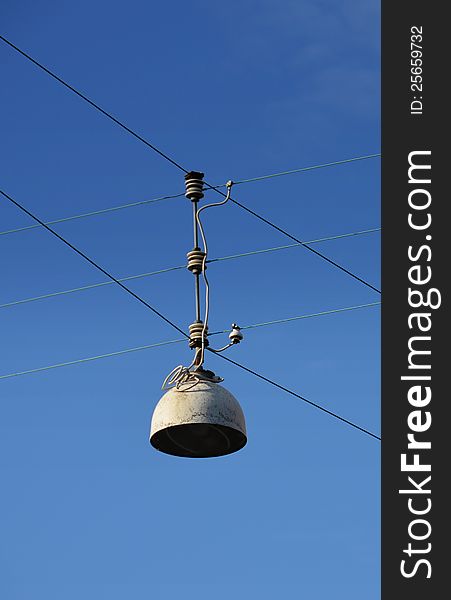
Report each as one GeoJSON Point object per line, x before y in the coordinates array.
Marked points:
{"type": "Point", "coordinates": [194, 186]}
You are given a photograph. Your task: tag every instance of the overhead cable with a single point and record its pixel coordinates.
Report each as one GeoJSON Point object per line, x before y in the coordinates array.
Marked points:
{"type": "Point", "coordinates": [169, 159]}
{"type": "Point", "coordinates": [164, 343]}
{"type": "Point", "coordinates": [300, 317]}
{"type": "Point", "coordinates": [92, 262]}
{"type": "Point", "coordinates": [287, 246]}
{"type": "Point", "coordinates": [103, 211]}
{"type": "Point", "coordinates": [93, 213]}
{"type": "Point", "coordinates": [180, 267]}
{"type": "Point", "coordinates": [155, 149]}
{"type": "Point", "coordinates": [296, 395]}
{"type": "Point", "coordinates": [302, 169]}
{"type": "Point", "coordinates": [251, 371]}
{"type": "Point", "coordinates": [150, 145]}
{"type": "Point", "coordinates": [91, 358]}
{"type": "Point", "coordinates": [93, 104]}
{"type": "Point", "coordinates": [298, 241]}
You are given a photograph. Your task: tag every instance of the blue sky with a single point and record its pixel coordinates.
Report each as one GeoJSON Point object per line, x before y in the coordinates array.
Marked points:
{"type": "Point", "coordinates": [236, 90]}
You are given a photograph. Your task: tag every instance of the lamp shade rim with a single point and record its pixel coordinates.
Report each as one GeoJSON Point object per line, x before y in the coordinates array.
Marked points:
{"type": "Point", "coordinates": [170, 441]}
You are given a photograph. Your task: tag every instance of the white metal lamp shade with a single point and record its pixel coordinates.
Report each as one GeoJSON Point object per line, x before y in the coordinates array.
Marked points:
{"type": "Point", "coordinates": [198, 421]}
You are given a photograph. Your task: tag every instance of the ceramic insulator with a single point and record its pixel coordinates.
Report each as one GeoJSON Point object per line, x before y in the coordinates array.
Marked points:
{"type": "Point", "coordinates": [194, 186]}
{"type": "Point", "coordinates": [195, 261]}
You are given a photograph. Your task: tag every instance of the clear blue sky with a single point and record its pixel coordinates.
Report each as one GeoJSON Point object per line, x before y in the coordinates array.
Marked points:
{"type": "Point", "coordinates": [239, 89]}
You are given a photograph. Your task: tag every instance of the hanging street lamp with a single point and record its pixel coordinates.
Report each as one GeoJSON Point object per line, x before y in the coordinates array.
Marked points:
{"type": "Point", "coordinates": [197, 417]}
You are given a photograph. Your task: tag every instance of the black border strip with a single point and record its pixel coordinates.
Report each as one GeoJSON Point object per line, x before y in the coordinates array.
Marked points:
{"type": "Point", "coordinates": [412, 120]}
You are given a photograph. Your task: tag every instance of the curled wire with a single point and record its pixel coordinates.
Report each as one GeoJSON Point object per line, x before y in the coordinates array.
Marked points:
{"type": "Point", "coordinates": [180, 375]}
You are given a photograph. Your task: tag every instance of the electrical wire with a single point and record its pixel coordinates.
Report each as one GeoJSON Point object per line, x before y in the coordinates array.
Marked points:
{"type": "Point", "coordinates": [251, 371]}
{"type": "Point", "coordinates": [93, 263]}
{"type": "Point", "coordinates": [270, 381]}
{"type": "Point", "coordinates": [292, 237]}
{"type": "Point", "coordinates": [93, 104]}
{"type": "Point", "coordinates": [90, 287]}
{"type": "Point", "coordinates": [168, 158]}
{"type": "Point", "coordinates": [204, 270]}
{"type": "Point", "coordinates": [302, 169]}
{"type": "Point", "coordinates": [91, 358]}
{"type": "Point", "coordinates": [287, 246]}
{"type": "Point", "coordinates": [297, 240]}
{"type": "Point", "coordinates": [299, 317]}
{"type": "Point", "coordinates": [161, 198]}
{"type": "Point", "coordinates": [296, 395]}
{"type": "Point", "coordinates": [194, 372]}
{"type": "Point", "coordinates": [146, 347]}
{"type": "Point", "coordinates": [26, 211]}
{"type": "Point", "coordinates": [149, 144]}
{"type": "Point", "coordinates": [180, 267]}
{"type": "Point", "coordinates": [92, 213]}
